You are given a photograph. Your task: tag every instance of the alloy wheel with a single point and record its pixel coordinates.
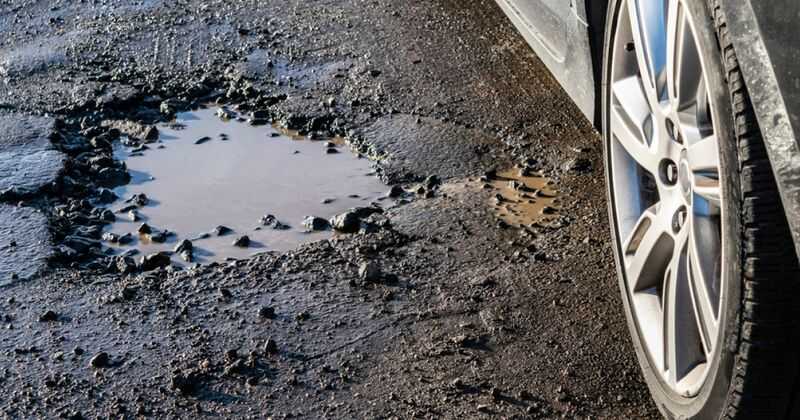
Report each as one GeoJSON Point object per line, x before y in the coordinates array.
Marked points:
{"type": "Point", "coordinates": [666, 192]}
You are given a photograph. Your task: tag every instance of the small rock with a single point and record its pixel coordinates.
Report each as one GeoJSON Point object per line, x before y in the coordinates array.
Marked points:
{"type": "Point", "coordinates": [396, 191]}
{"type": "Point", "coordinates": [159, 237]}
{"type": "Point", "coordinates": [331, 151]}
{"type": "Point", "coordinates": [222, 230]}
{"type": "Point", "coordinates": [133, 216]}
{"type": "Point", "coordinates": [202, 140]}
{"type": "Point", "coordinates": [125, 265]}
{"type": "Point", "coordinates": [242, 241]}
{"type": "Point", "coordinates": [139, 200]}
{"type": "Point", "coordinates": [154, 261]}
{"type": "Point", "coordinates": [369, 272]}
{"type": "Point", "coordinates": [107, 216]}
{"type": "Point", "coordinates": [580, 165]}
{"type": "Point", "coordinates": [266, 312]}
{"type": "Point", "coordinates": [112, 177]}
{"type": "Point", "coordinates": [144, 229]}
{"type": "Point", "coordinates": [125, 239]}
{"type": "Point", "coordinates": [100, 360]}
{"type": "Point", "coordinates": [225, 114]}
{"type": "Point", "coordinates": [271, 347]}
{"type": "Point", "coordinates": [150, 134]}
{"type": "Point", "coordinates": [273, 222]}
{"type": "Point", "coordinates": [106, 196]}
{"type": "Point", "coordinates": [347, 222]}
{"type": "Point", "coordinates": [184, 245]}
{"type": "Point", "coordinates": [314, 223]}
{"type": "Point", "coordinates": [48, 316]}
{"type": "Point", "coordinates": [111, 237]}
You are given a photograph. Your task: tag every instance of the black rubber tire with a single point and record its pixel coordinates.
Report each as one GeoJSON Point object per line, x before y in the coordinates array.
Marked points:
{"type": "Point", "coordinates": [755, 374]}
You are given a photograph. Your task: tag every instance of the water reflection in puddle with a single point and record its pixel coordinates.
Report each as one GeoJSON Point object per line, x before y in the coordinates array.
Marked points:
{"type": "Point", "coordinates": [205, 172]}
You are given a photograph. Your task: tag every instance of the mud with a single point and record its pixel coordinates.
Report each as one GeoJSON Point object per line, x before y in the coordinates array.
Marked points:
{"type": "Point", "coordinates": [522, 199]}
{"type": "Point", "coordinates": [432, 309]}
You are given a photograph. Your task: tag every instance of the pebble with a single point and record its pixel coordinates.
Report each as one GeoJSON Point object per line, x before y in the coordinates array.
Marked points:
{"type": "Point", "coordinates": [48, 316]}
{"type": "Point", "coordinates": [266, 312]}
{"type": "Point", "coordinates": [314, 223]}
{"type": "Point", "coordinates": [222, 230]}
{"type": "Point", "coordinates": [369, 271]}
{"type": "Point", "coordinates": [100, 360]}
{"type": "Point", "coordinates": [242, 241]}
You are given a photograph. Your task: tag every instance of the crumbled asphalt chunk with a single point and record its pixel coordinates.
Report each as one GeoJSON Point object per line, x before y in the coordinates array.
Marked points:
{"type": "Point", "coordinates": [144, 229]}
{"type": "Point", "coordinates": [48, 316]}
{"type": "Point", "coordinates": [154, 261]}
{"type": "Point", "coordinates": [242, 241]}
{"type": "Point", "coordinates": [266, 312]}
{"type": "Point", "coordinates": [111, 237]}
{"type": "Point", "coordinates": [124, 264]}
{"type": "Point", "coordinates": [370, 272]}
{"type": "Point", "coordinates": [579, 165]}
{"type": "Point", "coordinates": [314, 223]}
{"type": "Point", "coordinates": [270, 346]}
{"type": "Point", "coordinates": [107, 216]}
{"type": "Point", "coordinates": [159, 236]}
{"type": "Point", "coordinates": [139, 200]}
{"type": "Point", "coordinates": [112, 177]}
{"type": "Point", "coordinates": [347, 222]}
{"type": "Point", "coordinates": [133, 215]}
{"type": "Point", "coordinates": [273, 222]}
{"type": "Point", "coordinates": [125, 239]}
{"type": "Point", "coordinates": [106, 196]}
{"type": "Point", "coordinates": [222, 230]}
{"type": "Point", "coordinates": [225, 114]}
{"type": "Point", "coordinates": [100, 360]}
{"type": "Point", "coordinates": [184, 245]}
{"type": "Point", "coordinates": [202, 140]}
{"type": "Point", "coordinates": [396, 191]}
{"type": "Point", "coordinates": [331, 151]}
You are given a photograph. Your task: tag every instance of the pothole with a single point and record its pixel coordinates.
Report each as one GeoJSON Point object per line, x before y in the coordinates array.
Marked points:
{"type": "Point", "coordinates": [523, 198]}
{"type": "Point", "coordinates": [212, 181]}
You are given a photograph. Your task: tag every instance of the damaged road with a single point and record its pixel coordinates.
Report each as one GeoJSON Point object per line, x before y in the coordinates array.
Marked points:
{"type": "Point", "coordinates": [435, 308]}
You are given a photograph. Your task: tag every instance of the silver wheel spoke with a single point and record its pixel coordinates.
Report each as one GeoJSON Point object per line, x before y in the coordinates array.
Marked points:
{"type": "Point", "coordinates": [703, 155]}
{"type": "Point", "coordinates": [648, 246]}
{"type": "Point", "coordinates": [708, 188]}
{"type": "Point", "coordinates": [680, 331]}
{"type": "Point", "coordinates": [649, 38]}
{"type": "Point", "coordinates": [683, 71]}
{"type": "Point", "coordinates": [629, 115]}
{"type": "Point", "coordinates": [705, 310]}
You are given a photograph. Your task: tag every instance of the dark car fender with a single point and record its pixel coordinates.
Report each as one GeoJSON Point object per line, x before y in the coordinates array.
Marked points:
{"type": "Point", "coordinates": [767, 43]}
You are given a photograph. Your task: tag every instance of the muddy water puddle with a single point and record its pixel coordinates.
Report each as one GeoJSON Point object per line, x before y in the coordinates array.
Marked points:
{"type": "Point", "coordinates": [213, 181]}
{"type": "Point", "coordinates": [522, 198]}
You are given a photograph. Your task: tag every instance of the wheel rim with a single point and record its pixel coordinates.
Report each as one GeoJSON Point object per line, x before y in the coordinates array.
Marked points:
{"type": "Point", "coordinates": [666, 190]}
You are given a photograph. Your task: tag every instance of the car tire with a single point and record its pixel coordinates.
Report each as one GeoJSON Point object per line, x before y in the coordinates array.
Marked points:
{"type": "Point", "coordinates": [752, 371]}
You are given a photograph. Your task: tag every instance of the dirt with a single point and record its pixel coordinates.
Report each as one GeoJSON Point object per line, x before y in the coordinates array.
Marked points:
{"type": "Point", "coordinates": [435, 308]}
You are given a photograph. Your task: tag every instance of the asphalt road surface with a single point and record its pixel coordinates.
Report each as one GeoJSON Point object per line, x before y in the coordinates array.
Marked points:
{"type": "Point", "coordinates": [438, 310]}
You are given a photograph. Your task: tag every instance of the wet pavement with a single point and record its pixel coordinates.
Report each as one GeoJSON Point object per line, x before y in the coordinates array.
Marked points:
{"type": "Point", "coordinates": [447, 304]}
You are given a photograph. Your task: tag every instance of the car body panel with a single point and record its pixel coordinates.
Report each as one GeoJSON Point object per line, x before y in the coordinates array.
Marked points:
{"type": "Point", "coordinates": [767, 45]}
{"type": "Point", "coordinates": [558, 32]}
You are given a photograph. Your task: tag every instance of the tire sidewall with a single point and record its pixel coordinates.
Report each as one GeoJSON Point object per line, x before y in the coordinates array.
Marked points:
{"type": "Point", "coordinates": [712, 399]}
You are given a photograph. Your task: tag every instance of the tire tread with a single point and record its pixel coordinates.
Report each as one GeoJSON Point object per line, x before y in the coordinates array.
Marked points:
{"type": "Point", "coordinates": [765, 375]}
